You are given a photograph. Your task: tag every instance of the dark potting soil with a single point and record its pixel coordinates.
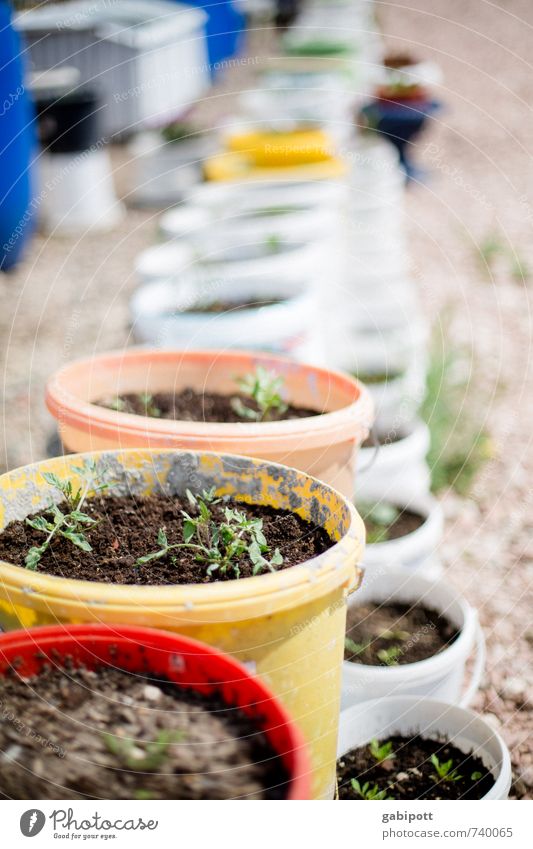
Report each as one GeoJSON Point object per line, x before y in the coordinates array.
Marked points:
{"type": "Point", "coordinates": [128, 529]}
{"type": "Point", "coordinates": [406, 522]}
{"type": "Point", "coordinates": [395, 634]}
{"type": "Point", "coordinates": [191, 406]}
{"type": "Point", "coordinates": [231, 306]}
{"type": "Point", "coordinates": [410, 774]}
{"type": "Point", "coordinates": [71, 733]}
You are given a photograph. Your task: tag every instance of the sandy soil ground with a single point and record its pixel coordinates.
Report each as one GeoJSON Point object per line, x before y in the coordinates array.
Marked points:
{"type": "Point", "coordinates": [69, 298]}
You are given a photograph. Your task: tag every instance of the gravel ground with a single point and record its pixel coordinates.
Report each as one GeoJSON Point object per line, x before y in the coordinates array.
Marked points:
{"type": "Point", "coordinates": [69, 298]}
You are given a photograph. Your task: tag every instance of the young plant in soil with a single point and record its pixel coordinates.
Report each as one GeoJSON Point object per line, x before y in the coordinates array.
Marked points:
{"type": "Point", "coordinates": [381, 752]}
{"type": "Point", "coordinates": [117, 735]}
{"type": "Point", "coordinates": [219, 546]}
{"type": "Point", "coordinates": [390, 634]}
{"type": "Point", "coordinates": [72, 525]}
{"type": "Point", "coordinates": [384, 521]}
{"type": "Point", "coordinates": [369, 792]}
{"type": "Point", "coordinates": [404, 768]}
{"type": "Point", "coordinates": [263, 387]}
{"type": "Point", "coordinates": [258, 398]}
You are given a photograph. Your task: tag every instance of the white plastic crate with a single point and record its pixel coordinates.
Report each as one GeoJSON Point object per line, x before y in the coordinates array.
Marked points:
{"type": "Point", "coordinates": [146, 58]}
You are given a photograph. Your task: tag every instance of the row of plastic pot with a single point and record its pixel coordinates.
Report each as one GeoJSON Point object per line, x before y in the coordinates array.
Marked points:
{"type": "Point", "coordinates": [287, 626]}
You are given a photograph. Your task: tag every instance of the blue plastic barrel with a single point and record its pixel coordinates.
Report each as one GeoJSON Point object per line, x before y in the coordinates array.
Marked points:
{"type": "Point", "coordinates": [224, 30]}
{"type": "Point", "coordinates": [18, 209]}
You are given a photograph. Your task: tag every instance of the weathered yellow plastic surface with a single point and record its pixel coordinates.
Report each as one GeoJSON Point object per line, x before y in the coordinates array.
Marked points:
{"type": "Point", "coordinates": [288, 625]}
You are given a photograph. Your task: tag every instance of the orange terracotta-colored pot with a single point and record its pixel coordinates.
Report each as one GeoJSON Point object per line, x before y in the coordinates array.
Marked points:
{"type": "Point", "coordinates": [324, 446]}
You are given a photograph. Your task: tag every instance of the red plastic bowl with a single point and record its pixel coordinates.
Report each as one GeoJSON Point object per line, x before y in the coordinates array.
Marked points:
{"type": "Point", "coordinates": [187, 662]}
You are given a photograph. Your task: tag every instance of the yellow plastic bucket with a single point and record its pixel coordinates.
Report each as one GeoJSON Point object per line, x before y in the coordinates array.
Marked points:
{"type": "Point", "coordinates": [234, 166]}
{"type": "Point", "coordinates": [289, 625]}
{"type": "Point", "coordinates": [272, 149]}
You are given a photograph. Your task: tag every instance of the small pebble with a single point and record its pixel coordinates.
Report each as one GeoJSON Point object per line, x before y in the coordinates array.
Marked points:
{"type": "Point", "coordinates": [153, 694]}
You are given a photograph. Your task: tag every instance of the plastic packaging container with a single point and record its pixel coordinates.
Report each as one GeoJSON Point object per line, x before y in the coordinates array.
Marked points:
{"type": "Point", "coordinates": [188, 663]}
{"type": "Point", "coordinates": [324, 446]}
{"type": "Point", "coordinates": [164, 316]}
{"type": "Point", "coordinates": [288, 626]}
{"type": "Point", "coordinates": [233, 259]}
{"type": "Point", "coordinates": [418, 550]}
{"type": "Point", "coordinates": [393, 468]}
{"type": "Point", "coordinates": [405, 715]}
{"type": "Point", "coordinates": [439, 677]}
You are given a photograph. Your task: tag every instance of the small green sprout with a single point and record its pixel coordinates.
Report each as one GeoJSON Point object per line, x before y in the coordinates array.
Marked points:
{"type": "Point", "coordinates": [444, 771]}
{"type": "Point", "coordinates": [389, 656]}
{"type": "Point", "coordinates": [378, 519]}
{"type": "Point", "coordinates": [381, 752]}
{"type": "Point", "coordinates": [72, 525]}
{"type": "Point", "coordinates": [368, 792]}
{"type": "Point", "coordinates": [355, 648]}
{"type": "Point", "coordinates": [219, 546]}
{"type": "Point", "coordinates": [273, 243]}
{"type": "Point", "coordinates": [143, 757]}
{"type": "Point", "coordinates": [150, 407]}
{"type": "Point", "coordinates": [118, 404]}
{"type": "Point", "coordinates": [263, 387]}
{"type": "Point", "coordinates": [400, 636]}
{"type": "Point", "coordinates": [476, 776]}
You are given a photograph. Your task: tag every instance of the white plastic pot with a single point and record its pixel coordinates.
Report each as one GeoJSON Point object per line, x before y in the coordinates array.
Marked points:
{"type": "Point", "coordinates": [441, 676]}
{"type": "Point", "coordinates": [242, 258]}
{"type": "Point", "coordinates": [418, 550]}
{"type": "Point", "coordinates": [291, 327]}
{"type": "Point", "coordinates": [222, 197]}
{"type": "Point", "coordinates": [78, 192]}
{"type": "Point", "coordinates": [393, 468]}
{"type": "Point", "coordinates": [290, 222]}
{"type": "Point", "coordinates": [165, 171]}
{"type": "Point", "coordinates": [185, 223]}
{"type": "Point", "coordinates": [169, 261]}
{"type": "Point", "coordinates": [408, 715]}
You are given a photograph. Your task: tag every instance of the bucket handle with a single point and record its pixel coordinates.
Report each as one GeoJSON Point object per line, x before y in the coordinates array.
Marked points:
{"type": "Point", "coordinates": [479, 666]}
{"type": "Point", "coordinates": [376, 446]}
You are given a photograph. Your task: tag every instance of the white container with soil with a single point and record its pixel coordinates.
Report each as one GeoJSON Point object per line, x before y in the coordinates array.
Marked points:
{"type": "Point", "coordinates": [406, 747]}
{"type": "Point", "coordinates": [250, 197]}
{"type": "Point", "coordinates": [234, 261]}
{"type": "Point", "coordinates": [394, 462]}
{"type": "Point", "coordinates": [168, 163]}
{"type": "Point", "coordinates": [275, 315]}
{"type": "Point", "coordinates": [408, 635]}
{"type": "Point", "coordinates": [402, 531]}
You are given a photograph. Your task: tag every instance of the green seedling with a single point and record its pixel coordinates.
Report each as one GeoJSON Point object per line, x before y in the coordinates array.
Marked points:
{"type": "Point", "coordinates": [72, 525]}
{"type": "Point", "coordinates": [476, 776]}
{"type": "Point", "coordinates": [150, 407]}
{"type": "Point", "coordinates": [264, 388]}
{"type": "Point", "coordinates": [273, 243]}
{"type": "Point", "coordinates": [355, 648]}
{"type": "Point", "coordinates": [490, 248]}
{"type": "Point", "coordinates": [118, 404]}
{"type": "Point", "coordinates": [381, 752]}
{"type": "Point", "coordinates": [220, 546]}
{"type": "Point", "coordinates": [369, 792]}
{"type": "Point", "coordinates": [143, 757]}
{"type": "Point", "coordinates": [399, 636]}
{"type": "Point", "coordinates": [389, 656]}
{"type": "Point", "coordinates": [444, 771]}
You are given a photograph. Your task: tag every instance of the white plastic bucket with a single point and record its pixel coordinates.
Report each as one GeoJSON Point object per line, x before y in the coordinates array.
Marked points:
{"type": "Point", "coordinates": [418, 550]}
{"type": "Point", "coordinates": [441, 676]}
{"type": "Point", "coordinates": [79, 194]}
{"type": "Point", "coordinates": [247, 195]}
{"type": "Point", "coordinates": [394, 468]}
{"type": "Point", "coordinates": [291, 327]}
{"type": "Point", "coordinates": [169, 261]}
{"type": "Point", "coordinates": [406, 715]}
